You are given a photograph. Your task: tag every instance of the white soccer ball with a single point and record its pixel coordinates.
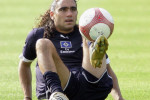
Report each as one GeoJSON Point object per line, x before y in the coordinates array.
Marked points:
{"type": "Point", "coordinates": [94, 22]}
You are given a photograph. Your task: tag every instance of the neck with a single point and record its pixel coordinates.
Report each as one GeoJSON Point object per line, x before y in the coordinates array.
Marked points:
{"type": "Point", "coordinates": [65, 31]}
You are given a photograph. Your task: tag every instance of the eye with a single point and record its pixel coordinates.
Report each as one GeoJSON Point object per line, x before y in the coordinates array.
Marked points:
{"type": "Point", "coordinates": [73, 8]}
{"type": "Point", "coordinates": [63, 9]}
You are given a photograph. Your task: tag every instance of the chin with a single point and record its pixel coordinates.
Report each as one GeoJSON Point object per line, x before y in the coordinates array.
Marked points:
{"type": "Point", "coordinates": [71, 27]}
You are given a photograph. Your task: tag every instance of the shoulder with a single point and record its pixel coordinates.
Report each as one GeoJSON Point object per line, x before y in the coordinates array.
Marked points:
{"type": "Point", "coordinates": [37, 31]}
{"type": "Point", "coordinates": [76, 31]}
{"type": "Point", "coordinates": [35, 34]}
{"type": "Point", "coordinates": [76, 28]}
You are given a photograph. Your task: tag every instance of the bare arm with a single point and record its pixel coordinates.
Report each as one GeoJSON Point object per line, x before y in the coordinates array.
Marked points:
{"type": "Point", "coordinates": [115, 90]}
{"type": "Point", "coordinates": [25, 77]}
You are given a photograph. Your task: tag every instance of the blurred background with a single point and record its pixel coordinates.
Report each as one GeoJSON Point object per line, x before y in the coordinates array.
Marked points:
{"type": "Point", "coordinates": [129, 46]}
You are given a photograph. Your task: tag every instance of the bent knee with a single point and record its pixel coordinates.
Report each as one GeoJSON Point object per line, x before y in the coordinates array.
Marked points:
{"type": "Point", "coordinates": [44, 44]}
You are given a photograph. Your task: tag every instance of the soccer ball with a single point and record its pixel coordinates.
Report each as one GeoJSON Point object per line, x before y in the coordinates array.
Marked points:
{"type": "Point", "coordinates": [94, 22]}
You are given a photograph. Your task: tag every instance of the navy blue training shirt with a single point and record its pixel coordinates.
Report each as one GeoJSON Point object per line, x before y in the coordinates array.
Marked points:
{"type": "Point", "coordinates": [68, 46]}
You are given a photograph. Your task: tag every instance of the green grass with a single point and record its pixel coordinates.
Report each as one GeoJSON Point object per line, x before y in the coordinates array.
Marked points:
{"type": "Point", "coordinates": [129, 49]}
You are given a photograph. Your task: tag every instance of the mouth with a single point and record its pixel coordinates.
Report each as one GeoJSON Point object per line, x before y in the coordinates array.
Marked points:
{"type": "Point", "coordinates": [69, 20]}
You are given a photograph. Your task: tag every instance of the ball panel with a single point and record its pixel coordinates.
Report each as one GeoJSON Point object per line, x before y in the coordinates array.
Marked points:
{"type": "Point", "coordinates": [107, 15]}
{"type": "Point", "coordinates": [99, 29]}
{"type": "Point", "coordinates": [87, 17]}
{"type": "Point", "coordinates": [85, 31]}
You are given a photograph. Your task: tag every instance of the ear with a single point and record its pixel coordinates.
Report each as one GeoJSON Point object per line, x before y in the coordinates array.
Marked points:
{"type": "Point", "coordinates": [52, 15]}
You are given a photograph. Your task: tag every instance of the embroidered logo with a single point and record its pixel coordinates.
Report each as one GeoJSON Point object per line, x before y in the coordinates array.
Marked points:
{"type": "Point", "coordinates": [65, 44]}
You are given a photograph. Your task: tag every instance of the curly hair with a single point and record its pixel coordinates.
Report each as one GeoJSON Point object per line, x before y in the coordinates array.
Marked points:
{"type": "Point", "coordinates": [46, 21]}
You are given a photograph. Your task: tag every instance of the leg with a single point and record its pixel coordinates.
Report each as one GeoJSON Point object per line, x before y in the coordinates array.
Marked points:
{"type": "Point", "coordinates": [94, 60]}
{"type": "Point", "coordinates": [49, 61]}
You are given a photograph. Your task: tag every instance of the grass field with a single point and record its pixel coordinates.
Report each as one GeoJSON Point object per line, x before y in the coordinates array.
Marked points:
{"type": "Point", "coordinates": [129, 49]}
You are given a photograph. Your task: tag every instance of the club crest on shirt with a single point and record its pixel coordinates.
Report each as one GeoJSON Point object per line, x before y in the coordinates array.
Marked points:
{"type": "Point", "coordinates": [65, 44]}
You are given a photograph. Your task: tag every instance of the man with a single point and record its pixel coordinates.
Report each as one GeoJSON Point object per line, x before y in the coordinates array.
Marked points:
{"type": "Point", "coordinates": [59, 70]}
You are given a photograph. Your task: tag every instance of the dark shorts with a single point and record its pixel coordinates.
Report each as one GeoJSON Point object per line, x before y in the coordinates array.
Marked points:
{"type": "Point", "coordinates": [84, 86]}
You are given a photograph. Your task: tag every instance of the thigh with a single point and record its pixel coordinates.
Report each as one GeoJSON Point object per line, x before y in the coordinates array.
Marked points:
{"type": "Point", "coordinates": [97, 72]}
{"type": "Point", "coordinates": [49, 60]}
{"type": "Point", "coordinates": [95, 89]}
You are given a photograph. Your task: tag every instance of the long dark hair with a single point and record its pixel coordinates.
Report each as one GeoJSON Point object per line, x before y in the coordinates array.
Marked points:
{"type": "Point", "coordinates": [45, 21]}
{"type": "Point", "coordinates": [48, 24]}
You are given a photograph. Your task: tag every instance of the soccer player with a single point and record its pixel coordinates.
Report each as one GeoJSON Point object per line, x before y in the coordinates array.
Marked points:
{"type": "Point", "coordinates": [64, 70]}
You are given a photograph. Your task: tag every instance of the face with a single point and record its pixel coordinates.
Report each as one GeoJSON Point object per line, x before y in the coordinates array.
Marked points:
{"type": "Point", "coordinates": [65, 15]}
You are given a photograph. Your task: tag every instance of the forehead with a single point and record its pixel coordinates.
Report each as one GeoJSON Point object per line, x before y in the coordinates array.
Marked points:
{"type": "Point", "coordinates": [66, 3]}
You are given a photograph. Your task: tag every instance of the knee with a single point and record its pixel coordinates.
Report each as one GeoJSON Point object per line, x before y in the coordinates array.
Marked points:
{"type": "Point", "coordinates": [43, 44]}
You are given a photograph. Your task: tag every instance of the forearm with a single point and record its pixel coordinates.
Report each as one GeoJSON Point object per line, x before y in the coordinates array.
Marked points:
{"type": "Point", "coordinates": [25, 79]}
{"type": "Point", "coordinates": [116, 93]}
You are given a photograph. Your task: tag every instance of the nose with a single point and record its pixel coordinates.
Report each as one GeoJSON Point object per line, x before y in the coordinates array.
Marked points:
{"type": "Point", "coordinates": [69, 13]}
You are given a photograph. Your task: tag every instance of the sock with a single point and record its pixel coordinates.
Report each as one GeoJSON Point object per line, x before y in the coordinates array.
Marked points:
{"type": "Point", "coordinates": [52, 81]}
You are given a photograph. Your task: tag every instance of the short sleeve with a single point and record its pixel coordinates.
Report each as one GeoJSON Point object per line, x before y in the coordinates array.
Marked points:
{"type": "Point", "coordinates": [107, 59]}
{"type": "Point", "coordinates": [29, 52]}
